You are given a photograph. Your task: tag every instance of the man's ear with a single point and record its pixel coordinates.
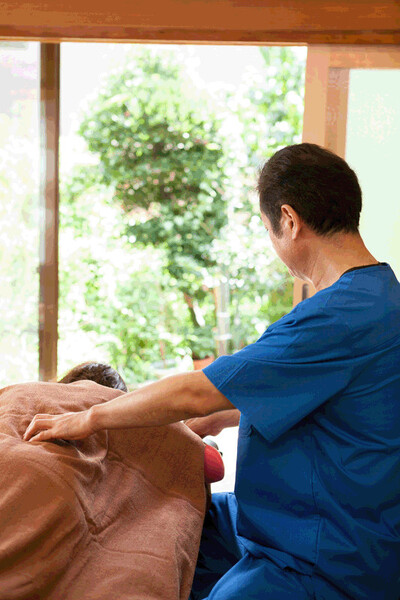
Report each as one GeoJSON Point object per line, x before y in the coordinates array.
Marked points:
{"type": "Point", "coordinates": [290, 220]}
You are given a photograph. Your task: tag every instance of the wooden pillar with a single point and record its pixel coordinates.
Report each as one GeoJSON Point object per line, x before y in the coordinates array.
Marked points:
{"type": "Point", "coordinates": [49, 206]}
{"type": "Point", "coordinates": [325, 114]}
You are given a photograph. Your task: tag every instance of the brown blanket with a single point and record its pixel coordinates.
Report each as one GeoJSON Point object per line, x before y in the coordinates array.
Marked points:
{"type": "Point", "coordinates": [118, 515]}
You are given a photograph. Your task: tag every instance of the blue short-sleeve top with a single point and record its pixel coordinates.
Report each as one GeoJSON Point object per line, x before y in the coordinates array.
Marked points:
{"type": "Point", "coordinates": [318, 468]}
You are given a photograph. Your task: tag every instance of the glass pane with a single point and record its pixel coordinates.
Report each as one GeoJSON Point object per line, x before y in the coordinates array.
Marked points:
{"type": "Point", "coordinates": [372, 149]}
{"type": "Point", "coordinates": [146, 297]}
{"type": "Point", "coordinates": [19, 195]}
{"type": "Point", "coordinates": [162, 250]}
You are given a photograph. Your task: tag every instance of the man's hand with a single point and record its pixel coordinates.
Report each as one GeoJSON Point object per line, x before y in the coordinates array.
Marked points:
{"type": "Point", "coordinates": [213, 424]}
{"type": "Point", "coordinates": [71, 426]}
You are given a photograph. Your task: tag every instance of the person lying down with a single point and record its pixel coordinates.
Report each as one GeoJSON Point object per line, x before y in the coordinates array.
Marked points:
{"type": "Point", "coordinates": [118, 514]}
{"type": "Point", "coordinates": [214, 469]}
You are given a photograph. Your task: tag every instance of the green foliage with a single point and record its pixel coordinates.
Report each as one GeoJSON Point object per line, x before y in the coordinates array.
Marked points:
{"type": "Point", "coordinates": [166, 207]}
{"type": "Point", "coordinates": [271, 109]}
{"type": "Point", "coordinates": [159, 151]}
{"type": "Point", "coordinates": [114, 303]}
{"type": "Point", "coordinates": [19, 257]}
{"type": "Point", "coordinates": [201, 342]}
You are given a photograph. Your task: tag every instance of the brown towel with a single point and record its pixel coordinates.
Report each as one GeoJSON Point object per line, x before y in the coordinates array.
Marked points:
{"type": "Point", "coordinates": [118, 515]}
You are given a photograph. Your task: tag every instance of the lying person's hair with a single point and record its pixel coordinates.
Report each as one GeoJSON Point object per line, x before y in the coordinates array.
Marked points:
{"type": "Point", "coordinates": [98, 372]}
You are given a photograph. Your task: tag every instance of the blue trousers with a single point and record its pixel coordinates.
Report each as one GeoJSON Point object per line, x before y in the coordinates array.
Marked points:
{"type": "Point", "coordinates": [227, 571]}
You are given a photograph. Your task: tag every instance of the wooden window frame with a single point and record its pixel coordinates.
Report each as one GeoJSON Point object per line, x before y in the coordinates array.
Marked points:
{"type": "Point", "coordinates": [261, 22]}
{"type": "Point", "coordinates": [265, 22]}
{"type": "Point", "coordinates": [49, 209]}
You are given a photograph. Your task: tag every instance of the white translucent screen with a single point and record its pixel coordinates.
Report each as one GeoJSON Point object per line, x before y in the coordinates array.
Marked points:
{"type": "Point", "coordinates": [373, 151]}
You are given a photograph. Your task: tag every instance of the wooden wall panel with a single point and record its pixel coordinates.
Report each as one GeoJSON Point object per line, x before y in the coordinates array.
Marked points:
{"type": "Point", "coordinates": [224, 21]}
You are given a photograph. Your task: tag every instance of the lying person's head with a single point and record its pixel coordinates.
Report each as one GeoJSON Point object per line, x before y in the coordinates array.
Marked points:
{"type": "Point", "coordinates": [98, 372]}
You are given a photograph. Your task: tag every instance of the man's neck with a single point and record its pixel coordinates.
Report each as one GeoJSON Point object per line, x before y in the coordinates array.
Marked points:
{"type": "Point", "coordinates": [331, 257]}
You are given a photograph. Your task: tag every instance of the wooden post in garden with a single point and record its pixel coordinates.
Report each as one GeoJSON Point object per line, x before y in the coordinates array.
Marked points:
{"type": "Point", "coordinates": [223, 322]}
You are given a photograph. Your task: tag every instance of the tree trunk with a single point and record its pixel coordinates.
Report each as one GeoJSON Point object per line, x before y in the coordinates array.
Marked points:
{"type": "Point", "coordinates": [189, 302]}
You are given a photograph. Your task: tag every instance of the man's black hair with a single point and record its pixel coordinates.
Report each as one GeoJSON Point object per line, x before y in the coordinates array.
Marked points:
{"type": "Point", "coordinates": [318, 184]}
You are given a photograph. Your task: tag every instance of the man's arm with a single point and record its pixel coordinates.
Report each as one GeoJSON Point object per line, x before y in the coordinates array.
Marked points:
{"type": "Point", "coordinates": [170, 400]}
{"type": "Point", "coordinates": [213, 424]}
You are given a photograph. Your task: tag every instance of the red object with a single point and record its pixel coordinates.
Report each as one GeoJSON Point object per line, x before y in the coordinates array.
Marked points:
{"type": "Point", "coordinates": [200, 363]}
{"type": "Point", "coordinates": [214, 469]}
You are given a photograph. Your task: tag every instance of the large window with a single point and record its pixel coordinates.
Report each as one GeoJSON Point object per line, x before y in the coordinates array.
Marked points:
{"type": "Point", "coordinates": [163, 256]}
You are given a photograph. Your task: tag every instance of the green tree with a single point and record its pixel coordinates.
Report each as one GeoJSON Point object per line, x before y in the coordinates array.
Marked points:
{"type": "Point", "coordinates": [115, 304]}
{"type": "Point", "coordinates": [160, 152]}
{"type": "Point", "coordinates": [167, 205]}
{"type": "Point", "coordinates": [271, 108]}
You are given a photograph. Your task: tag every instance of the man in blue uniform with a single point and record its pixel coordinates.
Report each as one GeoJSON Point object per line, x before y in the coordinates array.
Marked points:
{"type": "Point", "coordinates": [316, 508]}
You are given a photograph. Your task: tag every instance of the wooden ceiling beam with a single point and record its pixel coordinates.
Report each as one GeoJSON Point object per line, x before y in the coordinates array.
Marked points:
{"type": "Point", "coordinates": [204, 21]}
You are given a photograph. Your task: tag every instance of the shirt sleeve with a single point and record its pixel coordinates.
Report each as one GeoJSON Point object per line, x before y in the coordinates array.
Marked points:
{"type": "Point", "coordinates": [299, 363]}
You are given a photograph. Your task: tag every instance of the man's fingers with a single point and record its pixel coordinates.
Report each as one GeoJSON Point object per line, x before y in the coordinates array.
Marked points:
{"type": "Point", "coordinates": [33, 426]}
{"type": "Point", "coordinates": [71, 426]}
{"type": "Point", "coordinates": [41, 436]}
{"type": "Point", "coordinates": [39, 423]}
